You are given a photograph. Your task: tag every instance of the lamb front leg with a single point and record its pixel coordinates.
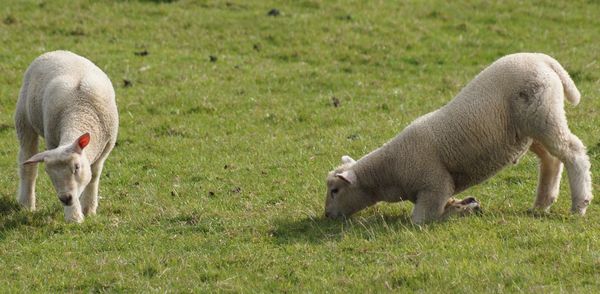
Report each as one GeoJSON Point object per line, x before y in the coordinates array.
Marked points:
{"type": "Point", "coordinates": [435, 207]}
{"type": "Point", "coordinates": [27, 172]}
{"type": "Point", "coordinates": [27, 177]}
{"type": "Point", "coordinates": [89, 197]}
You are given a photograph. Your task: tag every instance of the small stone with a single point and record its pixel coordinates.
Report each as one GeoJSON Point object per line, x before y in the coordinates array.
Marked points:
{"type": "Point", "coordinates": [335, 102]}
{"type": "Point", "coordinates": [10, 20]}
{"type": "Point", "coordinates": [274, 12]}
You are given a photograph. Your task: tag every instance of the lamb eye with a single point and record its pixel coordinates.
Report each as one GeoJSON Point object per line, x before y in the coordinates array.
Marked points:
{"type": "Point", "coordinates": [76, 168]}
{"type": "Point", "coordinates": [334, 191]}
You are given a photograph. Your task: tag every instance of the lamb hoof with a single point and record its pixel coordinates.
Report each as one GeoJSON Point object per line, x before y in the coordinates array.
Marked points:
{"type": "Point", "coordinates": [539, 211]}
{"type": "Point", "coordinates": [26, 205]}
{"type": "Point", "coordinates": [581, 208]}
{"type": "Point", "coordinates": [74, 219]}
{"type": "Point", "coordinates": [472, 205]}
{"type": "Point", "coordinates": [468, 200]}
{"type": "Point", "coordinates": [89, 212]}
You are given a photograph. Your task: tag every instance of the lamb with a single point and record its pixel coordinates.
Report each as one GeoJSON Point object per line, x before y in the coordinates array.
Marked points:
{"type": "Point", "coordinates": [69, 101]}
{"type": "Point", "coordinates": [514, 105]}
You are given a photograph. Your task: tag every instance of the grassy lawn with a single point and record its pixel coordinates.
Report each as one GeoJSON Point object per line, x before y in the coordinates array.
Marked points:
{"type": "Point", "coordinates": [228, 129]}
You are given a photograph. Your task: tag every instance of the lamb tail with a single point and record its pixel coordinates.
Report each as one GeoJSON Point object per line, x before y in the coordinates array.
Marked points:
{"type": "Point", "coordinates": [570, 90]}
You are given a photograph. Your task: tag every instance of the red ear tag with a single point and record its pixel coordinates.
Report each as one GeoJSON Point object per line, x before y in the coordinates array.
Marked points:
{"type": "Point", "coordinates": [84, 140]}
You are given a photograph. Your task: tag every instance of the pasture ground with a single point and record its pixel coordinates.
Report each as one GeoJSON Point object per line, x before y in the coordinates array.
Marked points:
{"type": "Point", "coordinates": [228, 128]}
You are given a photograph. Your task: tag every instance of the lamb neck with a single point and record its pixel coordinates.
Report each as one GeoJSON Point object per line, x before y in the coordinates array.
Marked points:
{"type": "Point", "coordinates": [378, 173]}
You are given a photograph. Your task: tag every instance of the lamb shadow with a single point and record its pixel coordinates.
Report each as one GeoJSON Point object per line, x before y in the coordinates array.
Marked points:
{"type": "Point", "coordinates": [8, 205]}
{"type": "Point", "coordinates": [321, 229]}
{"type": "Point", "coordinates": [12, 216]}
{"type": "Point", "coordinates": [551, 216]}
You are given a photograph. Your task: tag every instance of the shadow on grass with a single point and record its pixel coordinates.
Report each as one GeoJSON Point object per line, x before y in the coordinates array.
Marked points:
{"type": "Point", "coordinates": [12, 216]}
{"type": "Point", "coordinates": [503, 211]}
{"type": "Point", "coordinates": [372, 226]}
{"type": "Point", "coordinates": [321, 229]}
{"type": "Point", "coordinates": [8, 205]}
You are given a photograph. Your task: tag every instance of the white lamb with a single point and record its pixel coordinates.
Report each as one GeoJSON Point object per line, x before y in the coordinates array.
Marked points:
{"type": "Point", "coordinates": [70, 102]}
{"type": "Point", "coordinates": [515, 104]}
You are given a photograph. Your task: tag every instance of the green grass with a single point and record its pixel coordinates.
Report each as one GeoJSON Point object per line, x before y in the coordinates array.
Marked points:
{"type": "Point", "coordinates": [217, 182]}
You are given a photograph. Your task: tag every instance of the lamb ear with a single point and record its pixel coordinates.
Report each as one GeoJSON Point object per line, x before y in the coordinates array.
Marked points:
{"type": "Point", "coordinates": [81, 142]}
{"type": "Point", "coordinates": [348, 176]}
{"type": "Point", "coordinates": [37, 158]}
{"type": "Point", "coordinates": [347, 159]}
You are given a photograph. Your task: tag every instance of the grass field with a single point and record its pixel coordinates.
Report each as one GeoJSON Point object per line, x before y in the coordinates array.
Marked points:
{"type": "Point", "coordinates": [228, 129]}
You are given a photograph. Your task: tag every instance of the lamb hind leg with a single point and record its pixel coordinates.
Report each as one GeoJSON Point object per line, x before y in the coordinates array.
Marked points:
{"type": "Point", "coordinates": [549, 179]}
{"type": "Point", "coordinates": [545, 121]}
{"type": "Point", "coordinates": [578, 166]}
{"type": "Point", "coordinates": [561, 143]}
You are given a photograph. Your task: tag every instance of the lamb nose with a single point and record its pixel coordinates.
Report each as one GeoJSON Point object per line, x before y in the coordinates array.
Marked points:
{"type": "Point", "coordinates": [66, 199]}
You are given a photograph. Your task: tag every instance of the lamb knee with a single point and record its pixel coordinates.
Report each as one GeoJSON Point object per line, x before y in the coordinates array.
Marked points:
{"type": "Point", "coordinates": [429, 207]}
{"type": "Point", "coordinates": [424, 213]}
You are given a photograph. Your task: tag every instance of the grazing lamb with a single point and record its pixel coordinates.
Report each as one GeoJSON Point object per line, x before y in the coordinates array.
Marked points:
{"type": "Point", "coordinates": [70, 102]}
{"type": "Point", "coordinates": [515, 104]}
